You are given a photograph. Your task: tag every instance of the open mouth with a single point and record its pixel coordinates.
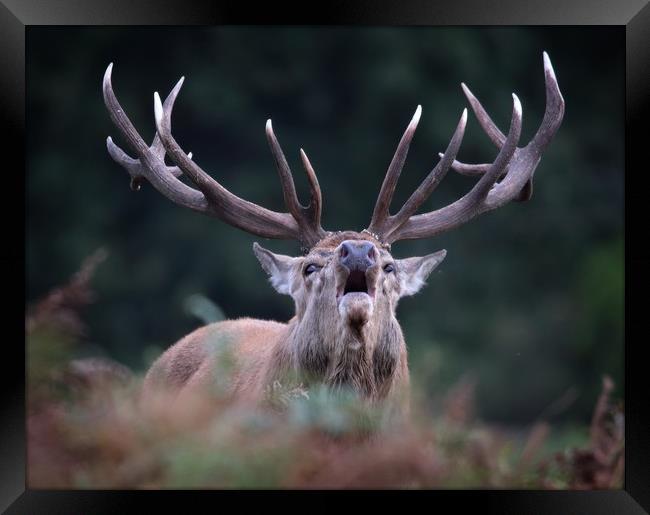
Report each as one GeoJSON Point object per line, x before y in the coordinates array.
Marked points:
{"type": "Point", "coordinates": [356, 282]}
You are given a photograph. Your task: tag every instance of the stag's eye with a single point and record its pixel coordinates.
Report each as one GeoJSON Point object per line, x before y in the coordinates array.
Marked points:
{"type": "Point", "coordinates": [389, 268]}
{"type": "Point", "coordinates": [310, 269]}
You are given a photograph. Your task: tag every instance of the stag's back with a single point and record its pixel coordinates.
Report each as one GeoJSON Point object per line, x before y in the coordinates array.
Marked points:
{"type": "Point", "coordinates": [234, 353]}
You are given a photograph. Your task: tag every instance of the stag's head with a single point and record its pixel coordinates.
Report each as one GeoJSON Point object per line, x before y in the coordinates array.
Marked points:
{"type": "Point", "coordinates": [347, 278]}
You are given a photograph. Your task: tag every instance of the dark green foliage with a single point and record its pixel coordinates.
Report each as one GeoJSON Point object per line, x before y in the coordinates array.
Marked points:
{"type": "Point", "coordinates": [529, 299]}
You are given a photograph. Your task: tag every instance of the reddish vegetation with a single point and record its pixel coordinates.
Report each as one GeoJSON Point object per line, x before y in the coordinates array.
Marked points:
{"type": "Point", "coordinates": [601, 464]}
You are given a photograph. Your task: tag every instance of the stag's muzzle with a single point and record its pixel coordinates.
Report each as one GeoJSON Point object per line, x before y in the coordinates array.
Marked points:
{"type": "Point", "coordinates": [357, 255]}
{"type": "Point", "coordinates": [358, 258]}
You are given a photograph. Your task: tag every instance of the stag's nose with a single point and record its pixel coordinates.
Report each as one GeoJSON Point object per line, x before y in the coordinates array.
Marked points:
{"type": "Point", "coordinates": [357, 255]}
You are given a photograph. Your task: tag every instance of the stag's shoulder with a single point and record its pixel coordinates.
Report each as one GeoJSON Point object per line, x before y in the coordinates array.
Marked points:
{"type": "Point", "coordinates": [234, 328]}
{"type": "Point", "coordinates": [252, 325]}
{"type": "Point", "coordinates": [236, 333]}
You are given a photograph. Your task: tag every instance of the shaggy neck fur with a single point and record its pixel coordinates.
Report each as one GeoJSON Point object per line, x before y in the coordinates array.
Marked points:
{"type": "Point", "coordinates": [364, 359]}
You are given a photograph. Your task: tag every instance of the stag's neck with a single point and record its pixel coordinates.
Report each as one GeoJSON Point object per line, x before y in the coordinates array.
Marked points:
{"type": "Point", "coordinates": [367, 359]}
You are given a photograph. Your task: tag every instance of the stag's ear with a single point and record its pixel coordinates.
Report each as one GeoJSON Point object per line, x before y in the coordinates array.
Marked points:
{"type": "Point", "coordinates": [414, 271]}
{"type": "Point", "coordinates": [278, 267]}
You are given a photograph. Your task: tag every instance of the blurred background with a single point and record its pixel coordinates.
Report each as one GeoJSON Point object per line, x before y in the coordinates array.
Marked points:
{"type": "Point", "coordinates": [529, 301]}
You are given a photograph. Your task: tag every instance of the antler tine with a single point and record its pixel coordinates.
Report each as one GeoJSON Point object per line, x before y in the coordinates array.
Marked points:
{"type": "Point", "coordinates": [150, 165]}
{"type": "Point", "coordinates": [473, 203]}
{"type": "Point", "coordinates": [490, 128]}
{"type": "Point", "coordinates": [468, 169]}
{"type": "Point", "coordinates": [307, 217]}
{"type": "Point", "coordinates": [496, 136]}
{"type": "Point", "coordinates": [201, 179]}
{"type": "Point", "coordinates": [472, 170]}
{"type": "Point", "coordinates": [422, 193]}
{"type": "Point", "coordinates": [382, 206]}
{"type": "Point", "coordinates": [228, 207]}
{"type": "Point", "coordinates": [554, 111]}
{"type": "Point", "coordinates": [482, 187]}
{"type": "Point", "coordinates": [134, 167]}
{"type": "Point", "coordinates": [316, 199]}
{"type": "Point", "coordinates": [286, 177]}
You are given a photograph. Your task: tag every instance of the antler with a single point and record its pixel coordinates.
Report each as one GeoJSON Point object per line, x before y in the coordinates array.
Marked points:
{"type": "Point", "coordinates": [301, 223]}
{"type": "Point", "coordinates": [513, 168]}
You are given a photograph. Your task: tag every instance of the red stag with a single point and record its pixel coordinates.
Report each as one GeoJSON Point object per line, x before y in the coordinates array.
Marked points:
{"type": "Point", "coordinates": [347, 284]}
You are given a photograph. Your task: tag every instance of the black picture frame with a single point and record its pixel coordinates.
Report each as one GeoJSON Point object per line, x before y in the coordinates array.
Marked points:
{"type": "Point", "coordinates": [16, 16]}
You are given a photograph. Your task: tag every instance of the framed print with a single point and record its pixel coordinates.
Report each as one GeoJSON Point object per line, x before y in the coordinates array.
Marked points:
{"type": "Point", "coordinates": [387, 252]}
